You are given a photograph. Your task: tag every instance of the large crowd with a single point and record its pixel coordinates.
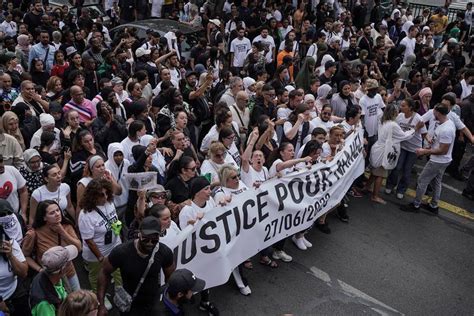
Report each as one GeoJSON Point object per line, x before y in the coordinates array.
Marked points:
{"type": "Point", "coordinates": [262, 89]}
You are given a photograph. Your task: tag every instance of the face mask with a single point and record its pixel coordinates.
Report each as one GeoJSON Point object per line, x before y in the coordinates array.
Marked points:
{"type": "Point", "coordinates": [287, 77]}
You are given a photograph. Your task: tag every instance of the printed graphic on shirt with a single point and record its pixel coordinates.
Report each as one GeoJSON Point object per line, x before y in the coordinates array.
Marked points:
{"type": "Point", "coordinates": [6, 190]}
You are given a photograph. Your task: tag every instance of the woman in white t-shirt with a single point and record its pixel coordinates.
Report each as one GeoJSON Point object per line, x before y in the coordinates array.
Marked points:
{"type": "Point", "coordinates": [400, 176]}
{"type": "Point", "coordinates": [95, 169]}
{"type": "Point", "coordinates": [227, 138]}
{"type": "Point", "coordinates": [298, 126]}
{"type": "Point", "coordinates": [283, 165]}
{"type": "Point", "coordinates": [231, 186]}
{"type": "Point", "coordinates": [99, 227]}
{"type": "Point", "coordinates": [53, 189]}
{"type": "Point", "coordinates": [217, 158]}
{"type": "Point", "coordinates": [253, 172]}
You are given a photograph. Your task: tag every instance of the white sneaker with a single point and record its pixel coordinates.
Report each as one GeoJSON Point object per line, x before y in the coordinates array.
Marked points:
{"type": "Point", "coordinates": [388, 191]}
{"type": "Point", "coordinates": [283, 256]}
{"type": "Point", "coordinates": [400, 196]}
{"type": "Point", "coordinates": [107, 303]}
{"type": "Point", "coordinates": [245, 290]}
{"type": "Point", "coordinates": [299, 243]}
{"type": "Point", "coordinates": [307, 243]}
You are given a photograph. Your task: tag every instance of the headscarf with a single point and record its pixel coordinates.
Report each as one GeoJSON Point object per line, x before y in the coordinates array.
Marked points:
{"type": "Point", "coordinates": [305, 75]}
{"type": "Point", "coordinates": [248, 81]}
{"type": "Point", "coordinates": [406, 26]}
{"type": "Point", "coordinates": [424, 92]}
{"type": "Point", "coordinates": [344, 97]}
{"type": "Point", "coordinates": [323, 91]}
{"type": "Point", "coordinates": [8, 116]}
{"type": "Point", "coordinates": [24, 43]}
{"type": "Point", "coordinates": [28, 155]}
{"type": "Point", "coordinates": [395, 11]}
{"type": "Point", "coordinates": [116, 171]}
{"type": "Point", "coordinates": [324, 60]}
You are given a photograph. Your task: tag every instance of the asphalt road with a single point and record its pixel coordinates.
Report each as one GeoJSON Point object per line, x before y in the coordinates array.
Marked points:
{"type": "Point", "coordinates": [383, 262]}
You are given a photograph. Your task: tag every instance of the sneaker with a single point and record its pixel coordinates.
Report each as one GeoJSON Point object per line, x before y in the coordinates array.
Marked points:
{"type": "Point", "coordinates": [400, 196]}
{"type": "Point", "coordinates": [210, 308]}
{"type": "Point", "coordinates": [342, 214]}
{"type": "Point", "coordinates": [299, 243]}
{"type": "Point", "coordinates": [411, 208]}
{"type": "Point", "coordinates": [429, 208]}
{"type": "Point", "coordinates": [307, 243]}
{"type": "Point", "coordinates": [245, 291]}
{"type": "Point", "coordinates": [283, 256]}
{"type": "Point", "coordinates": [107, 303]}
{"type": "Point", "coordinates": [323, 227]}
{"type": "Point", "coordinates": [388, 191]}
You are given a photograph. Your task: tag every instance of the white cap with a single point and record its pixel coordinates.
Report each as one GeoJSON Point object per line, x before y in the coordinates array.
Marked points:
{"type": "Point", "coordinates": [216, 22]}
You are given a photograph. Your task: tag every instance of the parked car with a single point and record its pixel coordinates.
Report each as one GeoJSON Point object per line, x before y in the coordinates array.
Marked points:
{"type": "Point", "coordinates": [163, 26]}
{"type": "Point", "coordinates": [95, 8]}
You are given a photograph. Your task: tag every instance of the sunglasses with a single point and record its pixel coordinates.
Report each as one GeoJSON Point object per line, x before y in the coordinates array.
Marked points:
{"type": "Point", "coordinates": [192, 169]}
{"type": "Point", "coordinates": [147, 240]}
{"type": "Point", "coordinates": [159, 196]}
{"type": "Point", "coordinates": [234, 177]}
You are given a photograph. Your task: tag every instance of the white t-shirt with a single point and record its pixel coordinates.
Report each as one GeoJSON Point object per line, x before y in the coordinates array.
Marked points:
{"type": "Point", "coordinates": [10, 181]}
{"type": "Point", "coordinates": [93, 226]}
{"type": "Point", "coordinates": [273, 171]}
{"type": "Point", "coordinates": [444, 134]}
{"type": "Point", "coordinates": [171, 233]}
{"type": "Point", "coordinates": [240, 48]}
{"type": "Point", "coordinates": [213, 135]}
{"type": "Point", "coordinates": [409, 46]}
{"type": "Point", "coordinates": [287, 126]}
{"type": "Point", "coordinates": [59, 196]}
{"type": "Point", "coordinates": [190, 212]}
{"type": "Point", "coordinates": [433, 123]}
{"type": "Point", "coordinates": [284, 113]}
{"type": "Point", "coordinates": [318, 122]}
{"type": "Point", "coordinates": [416, 141]}
{"type": "Point", "coordinates": [212, 168]}
{"type": "Point", "coordinates": [156, 6]}
{"type": "Point", "coordinates": [222, 193]}
{"type": "Point", "coordinates": [8, 280]}
{"type": "Point", "coordinates": [270, 43]}
{"type": "Point", "coordinates": [371, 110]}
{"type": "Point", "coordinates": [253, 176]}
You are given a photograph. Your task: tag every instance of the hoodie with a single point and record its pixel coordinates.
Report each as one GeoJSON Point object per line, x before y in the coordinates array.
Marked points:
{"type": "Point", "coordinates": [118, 172]}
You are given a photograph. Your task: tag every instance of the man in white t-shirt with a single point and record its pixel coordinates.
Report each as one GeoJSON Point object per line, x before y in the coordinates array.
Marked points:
{"type": "Point", "coordinates": [409, 41]}
{"type": "Point", "coordinates": [440, 157]}
{"type": "Point", "coordinates": [13, 188]}
{"type": "Point", "coordinates": [268, 42]}
{"type": "Point", "coordinates": [239, 48]}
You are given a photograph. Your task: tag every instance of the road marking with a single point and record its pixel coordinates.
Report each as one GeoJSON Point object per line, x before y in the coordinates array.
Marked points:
{"type": "Point", "coordinates": [444, 205]}
{"type": "Point", "coordinates": [348, 290]}
{"type": "Point", "coordinates": [447, 186]}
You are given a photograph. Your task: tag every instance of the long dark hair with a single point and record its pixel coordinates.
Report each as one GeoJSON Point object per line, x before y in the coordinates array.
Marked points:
{"type": "Point", "coordinates": [41, 213]}
{"type": "Point", "coordinates": [177, 165]}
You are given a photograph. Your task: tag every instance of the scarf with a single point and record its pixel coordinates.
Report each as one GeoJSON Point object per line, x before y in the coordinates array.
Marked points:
{"type": "Point", "coordinates": [7, 117]}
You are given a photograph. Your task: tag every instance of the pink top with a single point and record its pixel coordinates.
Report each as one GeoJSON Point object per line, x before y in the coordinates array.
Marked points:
{"type": "Point", "coordinates": [87, 111]}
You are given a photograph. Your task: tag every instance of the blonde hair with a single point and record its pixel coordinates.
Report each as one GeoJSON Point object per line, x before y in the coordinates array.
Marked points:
{"type": "Point", "coordinates": [215, 147]}
{"type": "Point", "coordinates": [78, 303]}
{"type": "Point", "coordinates": [224, 173]}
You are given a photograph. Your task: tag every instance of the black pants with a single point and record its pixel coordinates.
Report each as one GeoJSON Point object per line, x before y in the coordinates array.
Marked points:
{"type": "Point", "coordinates": [458, 152]}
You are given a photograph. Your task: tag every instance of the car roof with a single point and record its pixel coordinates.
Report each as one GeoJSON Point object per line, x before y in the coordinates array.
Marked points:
{"type": "Point", "coordinates": [163, 26]}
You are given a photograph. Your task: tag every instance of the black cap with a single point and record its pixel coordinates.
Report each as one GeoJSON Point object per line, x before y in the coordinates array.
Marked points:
{"type": "Point", "coordinates": [150, 226]}
{"type": "Point", "coordinates": [183, 280]}
{"type": "Point", "coordinates": [190, 73]}
{"type": "Point", "coordinates": [197, 184]}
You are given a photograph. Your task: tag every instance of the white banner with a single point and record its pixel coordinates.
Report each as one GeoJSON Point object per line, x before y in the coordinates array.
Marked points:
{"type": "Point", "coordinates": [256, 219]}
{"type": "Point", "coordinates": [141, 181]}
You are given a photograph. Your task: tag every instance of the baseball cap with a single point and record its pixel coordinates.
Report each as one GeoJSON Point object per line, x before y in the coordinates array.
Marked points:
{"type": "Point", "coordinates": [6, 57]}
{"type": "Point", "coordinates": [372, 84]}
{"type": "Point", "coordinates": [190, 73]}
{"type": "Point", "coordinates": [70, 50]}
{"type": "Point", "coordinates": [142, 52]}
{"type": "Point", "coordinates": [55, 258]}
{"type": "Point", "coordinates": [216, 22]}
{"type": "Point", "coordinates": [150, 225]}
{"type": "Point", "coordinates": [183, 280]}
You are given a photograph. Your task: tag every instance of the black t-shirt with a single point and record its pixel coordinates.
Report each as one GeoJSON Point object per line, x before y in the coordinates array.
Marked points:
{"type": "Point", "coordinates": [132, 267]}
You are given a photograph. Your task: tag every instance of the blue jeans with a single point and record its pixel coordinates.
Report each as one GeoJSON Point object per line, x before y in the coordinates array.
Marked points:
{"type": "Point", "coordinates": [437, 39]}
{"type": "Point", "coordinates": [403, 169]}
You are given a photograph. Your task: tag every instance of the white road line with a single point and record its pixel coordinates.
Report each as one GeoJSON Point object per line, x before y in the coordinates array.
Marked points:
{"type": "Point", "coordinates": [447, 186]}
{"type": "Point", "coordinates": [374, 304]}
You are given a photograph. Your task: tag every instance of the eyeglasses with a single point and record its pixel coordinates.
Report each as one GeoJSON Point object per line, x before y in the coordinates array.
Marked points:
{"type": "Point", "coordinates": [32, 162]}
{"type": "Point", "coordinates": [222, 155]}
{"type": "Point", "coordinates": [234, 177]}
{"type": "Point", "coordinates": [192, 169]}
{"type": "Point", "coordinates": [159, 196]}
